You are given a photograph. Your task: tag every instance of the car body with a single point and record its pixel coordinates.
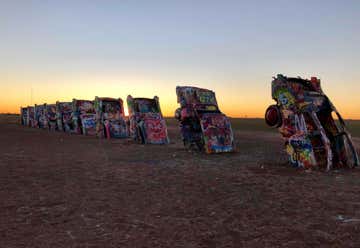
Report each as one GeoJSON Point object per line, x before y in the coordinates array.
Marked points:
{"type": "Point", "coordinates": [203, 125]}
{"type": "Point", "coordinates": [304, 116]}
{"type": "Point", "coordinates": [40, 116]}
{"type": "Point", "coordinates": [110, 118]}
{"type": "Point", "coordinates": [64, 112]}
{"type": "Point", "coordinates": [24, 116]}
{"type": "Point", "coordinates": [50, 112]}
{"type": "Point", "coordinates": [146, 122]}
{"type": "Point", "coordinates": [84, 117]}
{"type": "Point", "coordinates": [31, 120]}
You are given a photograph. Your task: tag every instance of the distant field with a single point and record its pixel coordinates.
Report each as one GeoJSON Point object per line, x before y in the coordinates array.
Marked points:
{"type": "Point", "coordinates": [354, 127]}
{"type": "Point", "coordinates": [250, 125]}
{"type": "Point", "coordinates": [259, 125]}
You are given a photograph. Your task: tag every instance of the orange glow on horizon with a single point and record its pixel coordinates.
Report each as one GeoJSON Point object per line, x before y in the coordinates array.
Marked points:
{"type": "Point", "coordinates": [168, 108]}
{"type": "Point", "coordinates": [248, 101]}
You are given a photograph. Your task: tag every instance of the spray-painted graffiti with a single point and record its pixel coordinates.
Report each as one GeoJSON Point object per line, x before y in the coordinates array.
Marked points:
{"type": "Point", "coordinates": [31, 120]}
{"type": "Point", "coordinates": [84, 117]}
{"type": "Point", "coordinates": [202, 124]}
{"type": "Point", "coordinates": [24, 116]}
{"type": "Point", "coordinates": [147, 125]}
{"type": "Point", "coordinates": [50, 112]}
{"type": "Point", "coordinates": [64, 116]}
{"type": "Point", "coordinates": [110, 118]}
{"type": "Point", "coordinates": [217, 133]}
{"type": "Point", "coordinates": [303, 115]}
{"type": "Point", "coordinates": [40, 116]}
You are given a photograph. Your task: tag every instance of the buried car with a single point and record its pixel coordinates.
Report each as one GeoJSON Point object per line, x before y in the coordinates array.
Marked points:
{"type": "Point", "coordinates": [84, 117]}
{"type": "Point", "coordinates": [24, 116]}
{"type": "Point", "coordinates": [110, 118]}
{"type": "Point", "coordinates": [31, 121]}
{"type": "Point", "coordinates": [203, 125]}
{"type": "Point", "coordinates": [314, 131]}
{"type": "Point", "coordinates": [50, 113]}
{"type": "Point", "coordinates": [147, 124]}
{"type": "Point", "coordinates": [64, 116]}
{"type": "Point", "coordinates": [41, 120]}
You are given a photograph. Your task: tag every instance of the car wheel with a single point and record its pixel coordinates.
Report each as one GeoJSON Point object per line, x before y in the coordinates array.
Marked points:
{"type": "Point", "coordinates": [273, 116]}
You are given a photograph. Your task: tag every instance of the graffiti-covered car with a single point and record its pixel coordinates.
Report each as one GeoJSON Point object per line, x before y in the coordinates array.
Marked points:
{"type": "Point", "coordinates": [40, 116]}
{"type": "Point", "coordinates": [64, 116]}
{"type": "Point", "coordinates": [31, 120]}
{"type": "Point", "coordinates": [84, 117]}
{"type": "Point", "coordinates": [50, 112]}
{"type": "Point", "coordinates": [24, 116]}
{"type": "Point", "coordinates": [147, 124]}
{"type": "Point", "coordinates": [110, 118]}
{"type": "Point", "coordinates": [304, 116]}
{"type": "Point", "coordinates": [203, 125]}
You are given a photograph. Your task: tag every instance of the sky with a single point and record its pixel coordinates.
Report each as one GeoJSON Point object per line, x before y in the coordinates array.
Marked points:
{"type": "Point", "coordinates": [60, 50]}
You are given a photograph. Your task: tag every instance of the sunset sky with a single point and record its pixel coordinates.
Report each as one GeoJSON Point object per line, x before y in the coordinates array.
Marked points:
{"type": "Point", "coordinates": [61, 50]}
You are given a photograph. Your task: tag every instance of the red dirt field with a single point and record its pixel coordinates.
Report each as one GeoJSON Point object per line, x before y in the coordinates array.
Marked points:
{"type": "Point", "coordinates": [60, 190]}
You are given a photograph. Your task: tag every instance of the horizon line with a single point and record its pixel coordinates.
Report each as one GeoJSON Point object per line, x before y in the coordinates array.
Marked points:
{"type": "Point", "coordinates": [231, 117]}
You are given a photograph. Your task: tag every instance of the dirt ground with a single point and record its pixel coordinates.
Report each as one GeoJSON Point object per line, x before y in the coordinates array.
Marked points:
{"type": "Point", "coordinates": [59, 190]}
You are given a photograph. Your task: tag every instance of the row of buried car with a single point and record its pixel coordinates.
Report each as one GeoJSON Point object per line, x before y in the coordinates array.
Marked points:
{"type": "Point", "coordinates": [203, 126]}
{"type": "Point", "coordinates": [303, 114]}
{"type": "Point", "coordinates": [103, 117]}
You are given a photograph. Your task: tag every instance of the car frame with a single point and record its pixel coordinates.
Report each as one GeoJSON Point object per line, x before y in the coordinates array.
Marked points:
{"type": "Point", "coordinates": [203, 126]}
{"type": "Point", "coordinates": [146, 122]}
{"type": "Point", "coordinates": [110, 118]}
{"type": "Point", "coordinates": [84, 117]}
{"type": "Point", "coordinates": [24, 116]}
{"type": "Point", "coordinates": [40, 116]}
{"type": "Point", "coordinates": [51, 116]}
{"type": "Point", "coordinates": [31, 120]}
{"type": "Point", "coordinates": [304, 116]}
{"type": "Point", "coordinates": [64, 112]}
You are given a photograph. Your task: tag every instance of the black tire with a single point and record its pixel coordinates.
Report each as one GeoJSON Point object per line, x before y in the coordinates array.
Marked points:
{"type": "Point", "coordinates": [273, 116]}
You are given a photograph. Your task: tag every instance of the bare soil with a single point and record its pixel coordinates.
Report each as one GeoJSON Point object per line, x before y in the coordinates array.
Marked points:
{"type": "Point", "coordinates": [60, 190]}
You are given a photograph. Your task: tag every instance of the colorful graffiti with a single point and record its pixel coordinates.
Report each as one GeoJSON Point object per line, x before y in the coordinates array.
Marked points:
{"type": "Point", "coordinates": [50, 112]}
{"type": "Point", "coordinates": [202, 124]}
{"type": "Point", "coordinates": [40, 116]}
{"type": "Point", "coordinates": [110, 118]}
{"type": "Point", "coordinates": [303, 115]}
{"type": "Point", "coordinates": [64, 116]}
{"type": "Point", "coordinates": [24, 116]}
{"type": "Point", "coordinates": [31, 120]}
{"type": "Point", "coordinates": [217, 133]}
{"type": "Point", "coordinates": [147, 124]}
{"type": "Point", "coordinates": [84, 117]}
